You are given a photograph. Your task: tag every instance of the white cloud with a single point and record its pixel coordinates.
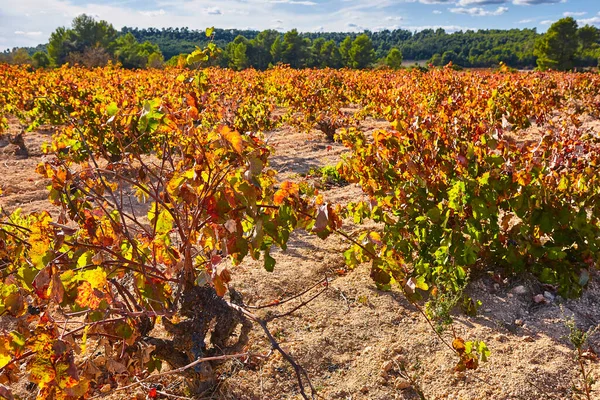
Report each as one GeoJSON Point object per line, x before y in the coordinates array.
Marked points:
{"type": "Point", "coordinates": [31, 33]}
{"type": "Point", "coordinates": [590, 21]}
{"type": "Point", "coordinates": [535, 2]}
{"type": "Point", "coordinates": [547, 22]}
{"type": "Point", "coordinates": [296, 2]}
{"type": "Point", "coordinates": [153, 13]}
{"type": "Point", "coordinates": [526, 21]}
{"type": "Point", "coordinates": [463, 3]}
{"type": "Point", "coordinates": [574, 14]}
{"type": "Point", "coordinates": [478, 11]}
{"type": "Point", "coordinates": [212, 11]}
{"type": "Point", "coordinates": [438, 12]}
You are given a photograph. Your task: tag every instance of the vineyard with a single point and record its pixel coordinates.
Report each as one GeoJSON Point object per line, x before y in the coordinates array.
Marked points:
{"type": "Point", "coordinates": [205, 233]}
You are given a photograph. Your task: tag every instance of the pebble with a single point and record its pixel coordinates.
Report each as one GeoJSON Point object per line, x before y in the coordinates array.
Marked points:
{"type": "Point", "coordinates": [387, 366]}
{"type": "Point", "coordinates": [402, 383]}
{"type": "Point", "coordinates": [520, 290]}
{"type": "Point", "coordinates": [364, 389]}
{"type": "Point", "coordinates": [549, 296]}
{"type": "Point", "coordinates": [105, 388]}
{"type": "Point", "coordinates": [528, 339]}
{"type": "Point", "coordinates": [501, 338]}
{"type": "Point", "coordinates": [518, 322]}
{"type": "Point", "coordinates": [539, 298]}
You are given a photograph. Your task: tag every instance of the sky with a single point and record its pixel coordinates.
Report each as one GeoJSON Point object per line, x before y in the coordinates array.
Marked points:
{"type": "Point", "coordinates": [30, 22]}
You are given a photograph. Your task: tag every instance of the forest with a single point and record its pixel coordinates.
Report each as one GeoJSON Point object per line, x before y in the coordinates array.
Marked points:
{"type": "Point", "coordinates": [94, 43]}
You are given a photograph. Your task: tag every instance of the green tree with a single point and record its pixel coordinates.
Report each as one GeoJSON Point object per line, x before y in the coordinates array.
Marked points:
{"type": "Point", "coordinates": [436, 60]}
{"type": "Point", "coordinates": [40, 59]}
{"type": "Point", "coordinates": [295, 49]}
{"type": "Point", "coordinates": [316, 59]}
{"type": "Point", "coordinates": [132, 54]}
{"type": "Point", "coordinates": [449, 56]}
{"type": "Point", "coordinates": [345, 47]}
{"type": "Point", "coordinates": [361, 53]}
{"type": "Point", "coordinates": [91, 33]}
{"type": "Point", "coordinates": [60, 44]}
{"type": "Point", "coordinates": [330, 55]}
{"type": "Point", "coordinates": [261, 48]}
{"type": "Point", "coordinates": [86, 33]}
{"type": "Point", "coordinates": [277, 51]}
{"type": "Point", "coordinates": [394, 58]}
{"type": "Point", "coordinates": [238, 53]}
{"type": "Point", "coordinates": [558, 47]}
{"type": "Point", "coordinates": [589, 50]}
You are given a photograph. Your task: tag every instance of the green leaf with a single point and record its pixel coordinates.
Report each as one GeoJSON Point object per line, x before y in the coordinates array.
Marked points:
{"type": "Point", "coordinates": [269, 261]}
{"type": "Point", "coordinates": [112, 109]}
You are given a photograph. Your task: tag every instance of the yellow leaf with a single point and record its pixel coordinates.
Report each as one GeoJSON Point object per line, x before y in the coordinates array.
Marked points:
{"type": "Point", "coordinates": [233, 137]}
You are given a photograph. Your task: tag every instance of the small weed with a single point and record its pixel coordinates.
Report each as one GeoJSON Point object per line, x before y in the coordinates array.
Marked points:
{"type": "Point", "coordinates": [329, 175]}
{"type": "Point", "coordinates": [579, 338]}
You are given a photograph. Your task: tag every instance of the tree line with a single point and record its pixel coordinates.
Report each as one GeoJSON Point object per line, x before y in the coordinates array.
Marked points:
{"type": "Point", "coordinates": [94, 43]}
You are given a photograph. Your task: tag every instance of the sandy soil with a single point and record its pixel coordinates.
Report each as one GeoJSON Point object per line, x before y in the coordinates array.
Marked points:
{"type": "Point", "coordinates": [353, 338]}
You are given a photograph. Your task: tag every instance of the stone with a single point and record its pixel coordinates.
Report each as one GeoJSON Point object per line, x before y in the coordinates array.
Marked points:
{"type": "Point", "coordinates": [520, 290]}
{"type": "Point", "coordinates": [518, 322]}
{"type": "Point", "coordinates": [387, 366]}
{"type": "Point", "coordinates": [401, 383]}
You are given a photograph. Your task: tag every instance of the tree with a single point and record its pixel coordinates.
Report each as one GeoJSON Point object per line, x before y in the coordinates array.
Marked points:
{"type": "Point", "coordinates": [91, 33]}
{"type": "Point", "coordinates": [86, 33]}
{"type": "Point", "coordinates": [20, 56]}
{"type": "Point", "coordinates": [132, 54]}
{"type": "Point", "coordinates": [238, 53]}
{"type": "Point", "coordinates": [450, 56]}
{"type": "Point", "coordinates": [261, 47]}
{"type": "Point", "coordinates": [361, 53]}
{"type": "Point", "coordinates": [345, 47]}
{"type": "Point", "coordinates": [588, 46]}
{"type": "Point", "coordinates": [40, 59]}
{"type": "Point", "coordinates": [277, 50]}
{"type": "Point", "coordinates": [330, 55]}
{"type": "Point", "coordinates": [295, 49]}
{"type": "Point", "coordinates": [60, 45]}
{"type": "Point", "coordinates": [315, 53]}
{"type": "Point", "coordinates": [156, 60]}
{"type": "Point", "coordinates": [394, 58]}
{"type": "Point", "coordinates": [436, 60]}
{"type": "Point", "coordinates": [558, 47]}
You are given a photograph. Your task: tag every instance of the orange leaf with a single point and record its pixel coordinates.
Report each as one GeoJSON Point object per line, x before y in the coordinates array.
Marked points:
{"type": "Point", "coordinates": [459, 345]}
{"type": "Point", "coordinates": [233, 137]}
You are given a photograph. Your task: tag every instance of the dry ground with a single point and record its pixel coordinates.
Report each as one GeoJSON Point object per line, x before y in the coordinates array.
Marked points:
{"type": "Point", "coordinates": [353, 338]}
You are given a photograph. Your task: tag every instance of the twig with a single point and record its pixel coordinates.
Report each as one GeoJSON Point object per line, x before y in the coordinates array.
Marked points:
{"type": "Point", "coordinates": [301, 373]}
{"type": "Point", "coordinates": [274, 304]}
{"type": "Point", "coordinates": [275, 316]}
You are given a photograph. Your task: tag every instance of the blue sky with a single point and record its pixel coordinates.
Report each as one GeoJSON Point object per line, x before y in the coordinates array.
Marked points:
{"type": "Point", "coordinates": [30, 22]}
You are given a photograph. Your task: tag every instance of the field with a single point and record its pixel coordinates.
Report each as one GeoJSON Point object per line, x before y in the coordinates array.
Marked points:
{"type": "Point", "coordinates": [434, 232]}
